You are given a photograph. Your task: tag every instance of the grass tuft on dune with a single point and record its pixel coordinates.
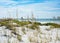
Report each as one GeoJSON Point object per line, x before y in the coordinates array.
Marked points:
{"type": "Point", "coordinates": [52, 24]}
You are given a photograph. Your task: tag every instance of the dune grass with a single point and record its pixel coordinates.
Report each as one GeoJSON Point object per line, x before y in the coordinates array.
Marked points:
{"type": "Point", "coordinates": [52, 24]}
{"type": "Point", "coordinates": [4, 23]}
{"type": "Point", "coordinates": [24, 23]}
{"type": "Point", "coordinates": [34, 25]}
{"type": "Point", "coordinates": [19, 37]}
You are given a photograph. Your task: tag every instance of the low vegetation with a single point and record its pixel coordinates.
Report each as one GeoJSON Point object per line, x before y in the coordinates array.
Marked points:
{"type": "Point", "coordinates": [19, 37]}
{"type": "Point", "coordinates": [6, 22]}
{"type": "Point", "coordinates": [22, 23]}
{"type": "Point", "coordinates": [33, 26]}
{"type": "Point", "coordinates": [52, 24]}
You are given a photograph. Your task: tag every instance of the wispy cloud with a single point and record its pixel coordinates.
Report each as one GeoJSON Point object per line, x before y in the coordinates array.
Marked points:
{"type": "Point", "coordinates": [18, 2]}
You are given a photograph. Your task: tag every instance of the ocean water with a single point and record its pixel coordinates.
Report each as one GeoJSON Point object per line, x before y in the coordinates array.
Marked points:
{"type": "Point", "coordinates": [48, 20]}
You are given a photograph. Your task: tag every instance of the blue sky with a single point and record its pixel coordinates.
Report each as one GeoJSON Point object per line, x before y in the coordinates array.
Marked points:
{"type": "Point", "coordinates": [40, 8]}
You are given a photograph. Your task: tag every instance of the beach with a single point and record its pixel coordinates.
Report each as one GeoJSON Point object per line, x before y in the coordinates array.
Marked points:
{"type": "Point", "coordinates": [33, 33]}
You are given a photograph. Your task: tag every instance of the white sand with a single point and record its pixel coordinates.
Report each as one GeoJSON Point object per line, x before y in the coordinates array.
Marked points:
{"type": "Point", "coordinates": [31, 36]}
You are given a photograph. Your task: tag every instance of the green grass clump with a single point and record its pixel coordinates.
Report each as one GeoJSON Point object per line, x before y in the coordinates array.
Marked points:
{"type": "Point", "coordinates": [4, 23]}
{"type": "Point", "coordinates": [33, 26]}
{"type": "Point", "coordinates": [9, 26]}
{"type": "Point", "coordinates": [22, 23]}
{"type": "Point", "coordinates": [37, 23]}
{"type": "Point", "coordinates": [52, 24]}
{"type": "Point", "coordinates": [16, 21]}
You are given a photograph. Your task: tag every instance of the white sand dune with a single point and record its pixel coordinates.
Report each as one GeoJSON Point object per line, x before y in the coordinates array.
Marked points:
{"type": "Point", "coordinates": [30, 36]}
